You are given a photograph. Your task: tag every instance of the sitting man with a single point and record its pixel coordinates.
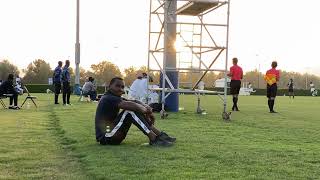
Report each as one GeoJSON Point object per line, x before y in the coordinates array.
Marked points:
{"type": "Point", "coordinates": [90, 89]}
{"type": "Point", "coordinates": [112, 127]}
{"type": "Point", "coordinates": [7, 88]}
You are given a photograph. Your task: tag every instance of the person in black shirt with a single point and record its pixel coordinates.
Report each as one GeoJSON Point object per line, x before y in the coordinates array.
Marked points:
{"type": "Point", "coordinates": [290, 88]}
{"type": "Point", "coordinates": [8, 88]}
{"type": "Point", "coordinates": [112, 127]}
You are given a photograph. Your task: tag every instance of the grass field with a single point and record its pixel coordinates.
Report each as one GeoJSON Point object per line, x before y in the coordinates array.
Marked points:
{"type": "Point", "coordinates": [56, 142]}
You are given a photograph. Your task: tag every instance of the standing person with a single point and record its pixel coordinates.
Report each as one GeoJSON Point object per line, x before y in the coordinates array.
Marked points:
{"type": "Point", "coordinates": [236, 75]}
{"type": "Point", "coordinates": [290, 88]}
{"type": "Point", "coordinates": [57, 81]}
{"type": "Point", "coordinates": [112, 127]}
{"type": "Point", "coordinates": [312, 88]}
{"type": "Point", "coordinates": [272, 77]}
{"type": "Point", "coordinates": [7, 87]}
{"type": "Point", "coordinates": [66, 84]}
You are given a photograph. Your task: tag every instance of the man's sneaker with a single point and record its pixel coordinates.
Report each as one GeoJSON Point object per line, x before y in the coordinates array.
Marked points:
{"type": "Point", "coordinates": [166, 137]}
{"type": "Point", "coordinates": [273, 111]}
{"type": "Point", "coordinates": [14, 107]}
{"type": "Point", "coordinates": [160, 142]}
{"type": "Point", "coordinates": [56, 103]}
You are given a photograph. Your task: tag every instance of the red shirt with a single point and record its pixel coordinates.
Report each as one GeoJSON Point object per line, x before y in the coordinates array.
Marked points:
{"type": "Point", "coordinates": [236, 72]}
{"type": "Point", "coordinates": [275, 72]}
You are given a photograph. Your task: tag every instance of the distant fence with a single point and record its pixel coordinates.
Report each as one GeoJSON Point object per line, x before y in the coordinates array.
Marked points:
{"type": "Point", "coordinates": [42, 88]}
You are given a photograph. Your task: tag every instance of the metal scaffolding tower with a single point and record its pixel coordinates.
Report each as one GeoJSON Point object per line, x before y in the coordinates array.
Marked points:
{"type": "Point", "coordinates": [193, 32]}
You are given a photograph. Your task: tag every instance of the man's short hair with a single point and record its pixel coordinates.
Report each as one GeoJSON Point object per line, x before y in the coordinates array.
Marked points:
{"type": "Point", "coordinates": [60, 63]}
{"type": "Point", "coordinates": [91, 79]}
{"type": "Point", "coordinates": [144, 74]}
{"type": "Point", "coordinates": [274, 64]}
{"type": "Point", "coordinates": [67, 62]}
{"type": "Point", "coordinates": [113, 80]}
{"type": "Point", "coordinates": [10, 77]}
{"type": "Point", "coordinates": [235, 60]}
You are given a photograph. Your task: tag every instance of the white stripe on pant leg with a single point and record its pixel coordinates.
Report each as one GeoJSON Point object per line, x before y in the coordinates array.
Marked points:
{"type": "Point", "coordinates": [135, 117]}
{"type": "Point", "coordinates": [115, 129]}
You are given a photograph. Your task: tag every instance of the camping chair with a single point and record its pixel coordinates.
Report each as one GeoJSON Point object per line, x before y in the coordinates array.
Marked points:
{"type": "Point", "coordinates": [4, 96]}
{"type": "Point", "coordinates": [29, 97]}
{"type": "Point", "coordinates": [82, 95]}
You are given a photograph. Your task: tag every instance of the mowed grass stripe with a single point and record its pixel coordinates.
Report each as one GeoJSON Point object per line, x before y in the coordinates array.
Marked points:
{"type": "Point", "coordinates": [29, 148]}
{"type": "Point", "coordinates": [255, 145]}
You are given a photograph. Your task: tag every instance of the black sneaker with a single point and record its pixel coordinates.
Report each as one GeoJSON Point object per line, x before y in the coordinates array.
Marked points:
{"type": "Point", "coordinates": [166, 137]}
{"type": "Point", "coordinates": [160, 142]}
{"type": "Point", "coordinates": [56, 103]}
{"type": "Point", "coordinates": [273, 111]}
{"type": "Point", "coordinates": [14, 107]}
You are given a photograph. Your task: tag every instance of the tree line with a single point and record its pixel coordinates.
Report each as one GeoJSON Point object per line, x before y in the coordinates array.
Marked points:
{"type": "Point", "coordinates": [38, 72]}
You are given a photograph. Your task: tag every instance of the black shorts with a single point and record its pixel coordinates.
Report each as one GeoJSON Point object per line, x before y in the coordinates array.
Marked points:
{"type": "Point", "coordinates": [235, 86]}
{"type": "Point", "coordinates": [272, 90]}
{"type": "Point", "coordinates": [290, 90]}
{"type": "Point", "coordinates": [57, 88]}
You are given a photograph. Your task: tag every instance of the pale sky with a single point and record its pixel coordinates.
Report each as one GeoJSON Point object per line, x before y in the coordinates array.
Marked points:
{"type": "Point", "coordinates": [260, 31]}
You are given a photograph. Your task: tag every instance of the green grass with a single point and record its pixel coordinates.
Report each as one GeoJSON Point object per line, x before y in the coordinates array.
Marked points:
{"type": "Point", "coordinates": [58, 142]}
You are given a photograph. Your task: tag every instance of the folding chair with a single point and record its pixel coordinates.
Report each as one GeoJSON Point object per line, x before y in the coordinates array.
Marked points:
{"type": "Point", "coordinates": [29, 97]}
{"type": "Point", "coordinates": [82, 95]}
{"type": "Point", "coordinates": [4, 96]}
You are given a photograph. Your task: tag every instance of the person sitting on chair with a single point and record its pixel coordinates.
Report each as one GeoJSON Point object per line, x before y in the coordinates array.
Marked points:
{"type": "Point", "coordinates": [7, 88]}
{"type": "Point", "coordinates": [90, 89]}
{"type": "Point", "coordinates": [112, 127]}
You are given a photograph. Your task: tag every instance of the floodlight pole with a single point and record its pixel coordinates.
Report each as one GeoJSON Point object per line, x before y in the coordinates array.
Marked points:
{"type": "Point", "coordinates": [77, 53]}
{"type": "Point", "coordinates": [226, 62]}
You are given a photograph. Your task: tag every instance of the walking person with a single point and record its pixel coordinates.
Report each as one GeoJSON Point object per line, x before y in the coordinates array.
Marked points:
{"type": "Point", "coordinates": [272, 77]}
{"type": "Point", "coordinates": [57, 81]}
{"type": "Point", "coordinates": [236, 75]}
{"type": "Point", "coordinates": [66, 84]}
{"type": "Point", "coordinates": [290, 88]}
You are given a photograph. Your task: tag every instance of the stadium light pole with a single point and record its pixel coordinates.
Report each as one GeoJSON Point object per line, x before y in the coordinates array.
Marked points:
{"type": "Point", "coordinates": [77, 52]}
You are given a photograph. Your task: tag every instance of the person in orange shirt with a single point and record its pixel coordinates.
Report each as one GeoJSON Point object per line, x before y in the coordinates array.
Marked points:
{"type": "Point", "coordinates": [272, 77]}
{"type": "Point", "coordinates": [236, 75]}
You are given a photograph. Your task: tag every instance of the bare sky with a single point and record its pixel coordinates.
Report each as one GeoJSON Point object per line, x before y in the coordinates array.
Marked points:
{"type": "Point", "coordinates": [261, 31]}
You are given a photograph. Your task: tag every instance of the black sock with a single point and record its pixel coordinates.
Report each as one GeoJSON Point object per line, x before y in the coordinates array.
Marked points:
{"type": "Point", "coordinates": [269, 104]}
{"type": "Point", "coordinates": [236, 102]}
{"type": "Point", "coordinates": [272, 104]}
{"type": "Point", "coordinates": [56, 96]}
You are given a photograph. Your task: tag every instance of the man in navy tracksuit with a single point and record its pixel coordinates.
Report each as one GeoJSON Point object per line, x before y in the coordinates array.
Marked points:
{"type": "Point", "coordinates": [57, 81]}
{"type": "Point", "coordinates": [66, 83]}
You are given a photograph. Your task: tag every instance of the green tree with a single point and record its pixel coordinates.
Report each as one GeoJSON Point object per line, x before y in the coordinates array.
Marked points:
{"type": "Point", "coordinates": [37, 72]}
{"type": "Point", "coordinates": [6, 68]}
{"type": "Point", "coordinates": [105, 71]}
{"type": "Point", "coordinates": [130, 74]}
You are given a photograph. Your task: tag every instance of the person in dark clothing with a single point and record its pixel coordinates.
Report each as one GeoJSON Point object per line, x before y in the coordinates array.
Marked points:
{"type": "Point", "coordinates": [112, 127]}
{"type": "Point", "coordinates": [57, 74]}
{"type": "Point", "coordinates": [7, 87]}
{"type": "Point", "coordinates": [66, 84]}
{"type": "Point", "coordinates": [290, 88]}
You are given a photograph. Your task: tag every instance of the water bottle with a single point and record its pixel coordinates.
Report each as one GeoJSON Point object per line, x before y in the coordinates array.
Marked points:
{"type": "Point", "coordinates": [108, 129]}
